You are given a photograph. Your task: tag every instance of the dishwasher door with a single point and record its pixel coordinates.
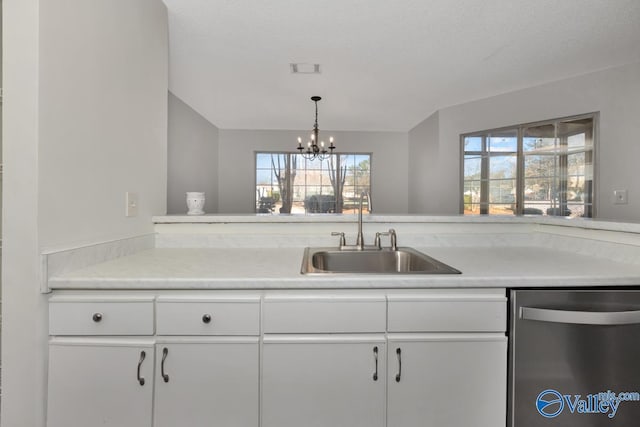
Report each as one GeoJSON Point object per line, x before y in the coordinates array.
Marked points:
{"type": "Point", "coordinates": [574, 358]}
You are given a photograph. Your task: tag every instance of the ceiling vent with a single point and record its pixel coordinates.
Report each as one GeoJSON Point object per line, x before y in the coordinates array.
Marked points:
{"type": "Point", "coordinates": [302, 68]}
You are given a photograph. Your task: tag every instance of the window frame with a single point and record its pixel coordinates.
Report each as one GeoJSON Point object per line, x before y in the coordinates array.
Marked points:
{"type": "Point", "coordinates": [520, 161]}
{"type": "Point", "coordinates": [281, 152]}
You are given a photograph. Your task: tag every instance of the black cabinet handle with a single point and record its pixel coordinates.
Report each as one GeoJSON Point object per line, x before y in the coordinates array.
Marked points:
{"type": "Point", "coordinates": [399, 355]}
{"type": "Point", "coordinates": [165, 376]}
{"type": "Point", "coordinates": [142, 356]}
{"type": "Point", "coordinates": [206, 318]}
{"type": "Point", "coordinates": [375, 356]}
{"type": "Point", "coordinates": [97, 317]}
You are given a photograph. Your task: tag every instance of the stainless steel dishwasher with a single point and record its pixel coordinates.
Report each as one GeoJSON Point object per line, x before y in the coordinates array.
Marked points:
{"type": "Point", "coordinates": [574, 358]}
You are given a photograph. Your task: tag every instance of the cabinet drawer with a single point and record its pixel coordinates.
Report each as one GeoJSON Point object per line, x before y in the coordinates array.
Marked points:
{"type": "Point", "coordinates": [105, 316]}
{"type": "Point", "coordinates": [342, 314]}
{"type": "Point", "coordinates": [211, 316]}
{"type": "Point", "coordinates": [444, 313]}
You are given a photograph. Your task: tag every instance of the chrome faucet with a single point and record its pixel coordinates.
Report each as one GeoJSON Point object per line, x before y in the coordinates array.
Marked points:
{"type": "Point", "coordinates": [360, 246]}
{"type": "Point", "coordinates": [360, 238]}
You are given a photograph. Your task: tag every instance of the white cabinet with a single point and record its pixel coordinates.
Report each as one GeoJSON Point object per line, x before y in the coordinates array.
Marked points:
{"type": "Point", "coordinates": [95, 380]}
{"type": "Point", "coordinates": [323, 360]}
{"type": "Point", "coordinates": [207, 382]}
{"type": "Point", "coordinates": [447, 355]}
{"type": "Point", "coordinates": [452, 380]}
{"type": "Point", "coordinates": [100, 382]}
{"type": "Point", "coordinates": [330, 358]}
{"type": "Point", "coordinates": [324, 381]}
{"type": "Point", "coordinates": [208, 363]}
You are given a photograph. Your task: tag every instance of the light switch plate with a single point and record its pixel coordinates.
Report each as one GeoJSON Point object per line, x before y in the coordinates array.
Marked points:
{"type": "Point", "coordinates": [131, 202]}
{"type": "Point", "coordinates": [620, 197]}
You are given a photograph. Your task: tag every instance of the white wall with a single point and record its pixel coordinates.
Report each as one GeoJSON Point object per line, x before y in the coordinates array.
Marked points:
{"type": "Point", "coordinates": [103, 117]}
{"type": "Point", "coordinates": [615, 93]}
{"type": "Point", "coordinates": [236, 167]}
{"type": "Point", "coordinates": [22, 307]}
{"type": "Point", "coordinates": [192, 158]}
{"type": "Point", "coordinates": [84, 112]}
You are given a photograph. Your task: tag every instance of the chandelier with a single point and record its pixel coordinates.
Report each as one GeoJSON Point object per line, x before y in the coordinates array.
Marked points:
{"type": "Point", "coordinates": [315, 150]}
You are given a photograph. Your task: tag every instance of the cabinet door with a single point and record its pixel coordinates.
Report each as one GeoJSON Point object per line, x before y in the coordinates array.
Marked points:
{"type": "Point", "coordinates": [323, 382]}
{"type": "Point", "coordinates": [100, 383]}
{"type": "Point", "coordinates": [442, 380]}
{"type": "Point", "coordinates": [207, 383]}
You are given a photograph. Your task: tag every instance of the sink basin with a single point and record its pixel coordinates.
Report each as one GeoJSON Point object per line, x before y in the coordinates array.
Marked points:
{"type": "Point", "coordinates": [372, 261]}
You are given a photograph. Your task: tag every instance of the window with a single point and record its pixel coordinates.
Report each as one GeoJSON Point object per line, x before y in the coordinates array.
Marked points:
{"type": "Point", "coordinates": [289, 183]}
{"type": "Point", "coordinates": [543, 168]}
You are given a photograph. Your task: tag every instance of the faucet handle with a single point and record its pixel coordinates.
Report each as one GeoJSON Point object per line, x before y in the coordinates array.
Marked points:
{"type": "Point", "coordinates": [394, 239]}
{"type": "Point", "coordinates": [392, 235]}
{"type": "Point", "coordinates": [343, 241]}
{"type": "Point", "coordinates": [376, 242]}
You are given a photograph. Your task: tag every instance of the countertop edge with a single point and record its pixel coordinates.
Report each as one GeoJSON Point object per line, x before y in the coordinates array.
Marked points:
{"type": "Point", "coordinates": [358, 282]}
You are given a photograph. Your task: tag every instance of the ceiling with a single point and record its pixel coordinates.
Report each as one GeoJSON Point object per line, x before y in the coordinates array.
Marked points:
{"type": "Point", "coordinates": [386, 65]}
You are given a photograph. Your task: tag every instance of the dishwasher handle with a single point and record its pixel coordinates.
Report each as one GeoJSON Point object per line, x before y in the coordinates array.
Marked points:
{"type": "Point", "coordinates": [602, 318]}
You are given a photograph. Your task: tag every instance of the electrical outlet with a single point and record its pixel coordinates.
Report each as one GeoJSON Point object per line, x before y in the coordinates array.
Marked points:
{"type": "Point", "coordinates": [620, 197]}
{"type": "Point", "coordinates": [131, 204]}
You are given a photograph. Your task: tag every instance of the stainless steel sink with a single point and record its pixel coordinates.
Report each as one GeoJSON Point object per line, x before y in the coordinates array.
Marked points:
{"type": "Point", "coordinates": [372, 261]}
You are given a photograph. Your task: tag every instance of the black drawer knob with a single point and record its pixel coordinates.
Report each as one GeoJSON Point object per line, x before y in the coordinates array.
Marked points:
{"type": "Point", "coordinates": [206, 318]}
{"type": "Point", "coordinates": [97, 317]}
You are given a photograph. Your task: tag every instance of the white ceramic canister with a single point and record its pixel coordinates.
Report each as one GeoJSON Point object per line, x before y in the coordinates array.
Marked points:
{"type": "Point", "coordinates": [195, 203]}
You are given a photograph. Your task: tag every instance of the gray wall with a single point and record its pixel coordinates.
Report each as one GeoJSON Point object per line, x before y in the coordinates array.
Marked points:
{"type": "Point", "coordinates": [236, 167]}
{"type": "Point", "coordinates": [423, 167]}
{"type": "Point", "coordinates": [85, 111]}
{"type": "Point", "coordinates": [103, 66]}
{"type": "Point", "coordinates": [192, 158]}
{"type": "Point", "coordinates": [615, 93]}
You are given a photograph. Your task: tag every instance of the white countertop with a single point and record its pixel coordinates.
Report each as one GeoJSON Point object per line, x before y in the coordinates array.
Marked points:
{"type": "Point", "coordinates": [279, 268]}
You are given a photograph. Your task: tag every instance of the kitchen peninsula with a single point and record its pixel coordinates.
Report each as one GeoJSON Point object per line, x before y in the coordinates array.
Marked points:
{"type": "Point", "coordinates": [261, 252]}
{"type": "Point", "coordinates": [215, 321]}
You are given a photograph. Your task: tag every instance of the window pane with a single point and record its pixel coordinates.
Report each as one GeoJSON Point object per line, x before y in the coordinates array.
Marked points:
{"type": "Point", "coordinates": [577, 132]}
{"type": "Point", "coordinates": [263, 177]}
{"type": "Point", "coordinates": [501, 167]}
{"type": "Point", "coordinates": [472, 165]}
{"type": "Point", "coordinates": [540, 184]}
{"type": "Point", "coordinates": [503, 141]}
{"type": "Point", "coordinates": [472, 197]}
{"type": "Point", "coordinates": [503, 191]}
{"type": "Point", "coordinates": [263, 161]}
{"type": "Point", "coordinates": [539, 166]}
{"type": "Point", "coordinates": [473, 143]}
{"type": "Point", "coordinates": [539, 139]}
{"type": "Point", "coordinates": [578, 140]}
